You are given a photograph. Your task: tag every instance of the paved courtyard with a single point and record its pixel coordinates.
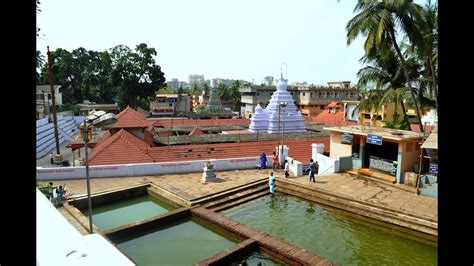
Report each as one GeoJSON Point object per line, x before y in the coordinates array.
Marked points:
{"type": "Point", "coordinates": [190, 186]}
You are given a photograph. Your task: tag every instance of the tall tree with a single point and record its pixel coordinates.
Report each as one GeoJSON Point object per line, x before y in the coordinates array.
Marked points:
{"type": "Point", "coordinates": [385, 71]}
{"type": "Point", "coordinates": [379, 21]}
{"type": "Point", "coordinates": [136, 74]}
{"type": "Point", "coordinates": [427, 48]}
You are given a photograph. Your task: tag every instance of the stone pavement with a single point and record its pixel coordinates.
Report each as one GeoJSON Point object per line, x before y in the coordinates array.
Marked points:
{"type": "Point", "coordinates": [189, 186]}
{"type": "Point", "coordinates": [373, 192]}
{"type": "Point", "coordinates": [65, 152]}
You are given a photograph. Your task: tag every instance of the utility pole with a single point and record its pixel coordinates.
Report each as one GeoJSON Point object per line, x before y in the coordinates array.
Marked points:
{"type": "Point", "coordinates": [53, 107]}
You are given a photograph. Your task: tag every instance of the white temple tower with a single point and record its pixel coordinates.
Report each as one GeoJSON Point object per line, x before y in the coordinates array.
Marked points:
{"type": "Point", "coordinates": [275, 118]}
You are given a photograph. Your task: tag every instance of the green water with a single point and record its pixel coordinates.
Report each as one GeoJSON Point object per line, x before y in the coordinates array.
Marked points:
{"type": "Point", "coordinates": [331, 234]}
{"type": "Point", "coordinates": [110, 215]}
{"type": "Point", "coordinates": [256, 257]}
{"type": "Point", "coordinates": [180, 243]}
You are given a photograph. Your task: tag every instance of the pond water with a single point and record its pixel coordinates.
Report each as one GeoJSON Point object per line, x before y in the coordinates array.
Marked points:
{"type": "Point", "coordinates": [330, 233]}
{"type": "Point", "coordinates": [181, 243]}
{"type": "Point", "coordinates": [110, 215]}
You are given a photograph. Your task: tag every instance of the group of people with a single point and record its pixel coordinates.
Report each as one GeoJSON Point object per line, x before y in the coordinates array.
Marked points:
{"type": "Point", "coordinates": [60, 193]}
{"type": "Point", "coordinates": [313, 169]}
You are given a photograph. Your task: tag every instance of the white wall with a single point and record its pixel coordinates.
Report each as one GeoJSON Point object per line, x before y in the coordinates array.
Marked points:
{"type": "Point", "coordinates": [327, 165]}
{"type": "Point", "coordinates": [119, 170]}
{"type": "Point", "coordinates": [296, 168]}
{"type": "Point", "coordinates": [59, 243]}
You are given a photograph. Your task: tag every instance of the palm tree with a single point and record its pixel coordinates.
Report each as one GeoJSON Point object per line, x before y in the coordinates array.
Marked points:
{"type": "Point", "coordinates": [427, 49]}
{"type": "Point", "coordinates": [378, 20]}
{"type": "Point", "coordinates": [384, 69]}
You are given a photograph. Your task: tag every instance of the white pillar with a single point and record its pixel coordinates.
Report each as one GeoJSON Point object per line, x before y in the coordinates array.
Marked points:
{"type": "Point", "coordinates": [316, 148]}
{"type": "Point", "coordinates": [281, 158]}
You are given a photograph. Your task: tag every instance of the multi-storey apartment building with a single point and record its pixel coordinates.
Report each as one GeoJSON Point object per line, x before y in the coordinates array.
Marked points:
{"type": "Point", "coordinates": [310, 100]}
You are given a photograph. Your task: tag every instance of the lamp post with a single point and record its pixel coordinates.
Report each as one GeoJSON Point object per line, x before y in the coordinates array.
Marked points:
{"type": "Point", "coordinates": [89, 201]}
{"type": "Point", "coordinates": [98, 119]}
{"type": "Point", "coordinates": [283, 105]}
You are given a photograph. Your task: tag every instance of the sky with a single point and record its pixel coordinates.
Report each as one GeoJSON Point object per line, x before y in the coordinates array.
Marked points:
{"type": "Point", "coordinates": [231, 39]}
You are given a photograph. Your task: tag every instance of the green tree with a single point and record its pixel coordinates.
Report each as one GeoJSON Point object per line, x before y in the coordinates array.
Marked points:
{"type": "Point", "coordinates": [136, 74]}
{"type": "Point", "coordinates": [39, 63]}
{"type": "Point", "coordinates": [384, 70]}
{"type": "Point", "coordinates": [379, 21]}
{"type": "Point", "coordinates": [427, 50]}
{"type": "Point", "coordinates": [182, 90]}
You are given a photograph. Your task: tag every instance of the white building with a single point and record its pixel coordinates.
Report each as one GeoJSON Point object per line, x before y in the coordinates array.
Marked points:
{"type": "Point", "coordinates": [195, 79]}
{"type": "Point", "coordinates": [44, 101]}
{"type": "Point", "coordinates": [175, 84]}
{"type": "Point", "coordinates": [268, 80]}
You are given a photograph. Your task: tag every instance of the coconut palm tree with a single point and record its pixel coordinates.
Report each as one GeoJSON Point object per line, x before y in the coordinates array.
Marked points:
{"type": "Point", "coordinates": [385, 71]}
{"type": "Point", "coordinates": [379, 20]}
{"type": "Point", "coordinates": [427, 48]}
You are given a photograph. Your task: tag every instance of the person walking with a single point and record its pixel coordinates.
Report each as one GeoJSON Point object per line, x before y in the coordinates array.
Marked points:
{"type": "Point", "coordinates": [316, 167]}
{"type": "Point", "coordinates": [51, 158]}
{"type": "Point", "coordinates": [274, 161]}
{"type": "Point", "coordinates": [263, 160]}
{"type": "Point", "coordinates": [312, 170]}
{"type": "Point", "coordinates": [271, 183]}
{"type": "Point", "coordinates": [287, 168]}
{"type": "Point", "coordinates": [50, 191]}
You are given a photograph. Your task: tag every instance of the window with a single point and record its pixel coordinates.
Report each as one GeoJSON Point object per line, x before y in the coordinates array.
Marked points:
{"type": "Point", "coordinates": [336, 95]}
{"type": "Point", "coordinates": [304, 94]}
{"type": "Point", "coordinates": [321, 107]}
{"type": "Point", "coordinates": [311, 95]}
{"type": "Point", "coordinates": [258, 94]}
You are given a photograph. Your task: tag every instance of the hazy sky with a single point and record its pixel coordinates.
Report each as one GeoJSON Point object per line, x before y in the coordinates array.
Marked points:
{"type": "Point", "coordinates": [234, 39]}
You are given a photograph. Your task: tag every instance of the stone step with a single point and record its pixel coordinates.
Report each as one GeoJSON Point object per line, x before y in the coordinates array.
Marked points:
{"type": "Point", "coordinates": [227, 192]}
{"type": "Point", "coordinates": [237, 196]}
{"type": "Point", "coordinates": [233, 203]}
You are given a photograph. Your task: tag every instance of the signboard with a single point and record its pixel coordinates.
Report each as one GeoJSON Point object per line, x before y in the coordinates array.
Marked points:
{"type": "Point", "coordinates": [347, 138]}
{"type": "Point", "coordinates": [374, 139]}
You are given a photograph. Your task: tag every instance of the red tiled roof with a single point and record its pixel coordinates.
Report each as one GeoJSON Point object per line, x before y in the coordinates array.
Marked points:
{"type": "Point", "coordinates": [333, 119]}
{"type": "Point", "coordinates": [130, 118]}
{"type": "Point", "coordinates": [333, 104]}
{"type": "Point", "coordinates": [299, 149]}
{"type": "Point", "coordinates": [123, 147]}
{"type": "Point", "coordinates": [196, 132]}
{"type": "Point", "coordinates": [120, 148]}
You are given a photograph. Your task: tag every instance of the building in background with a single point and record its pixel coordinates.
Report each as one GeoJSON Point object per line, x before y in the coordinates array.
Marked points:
{"type": "Point", "coordinates": [170, 104]}
{"type": "Point", "coordinates": [310, 100]}
{"type": "Point", "coordinates": [268, 80]}
{"type": "Point", "coordinates": [175, 84]}
{"type": "Point", "coordinates": [195, 79]}
{"type": "Point", "coordinates": [43, 99]}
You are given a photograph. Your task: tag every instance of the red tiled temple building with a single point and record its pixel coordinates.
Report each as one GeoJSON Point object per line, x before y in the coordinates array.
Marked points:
{"type": "Point", "coordinates": [130, 140]}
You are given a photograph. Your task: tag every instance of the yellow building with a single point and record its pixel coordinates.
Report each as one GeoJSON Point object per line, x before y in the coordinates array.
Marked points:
{"type": "Point", "coordinates": [374, 117]}
{"type": "Point", "coordinates": [390, 152]}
